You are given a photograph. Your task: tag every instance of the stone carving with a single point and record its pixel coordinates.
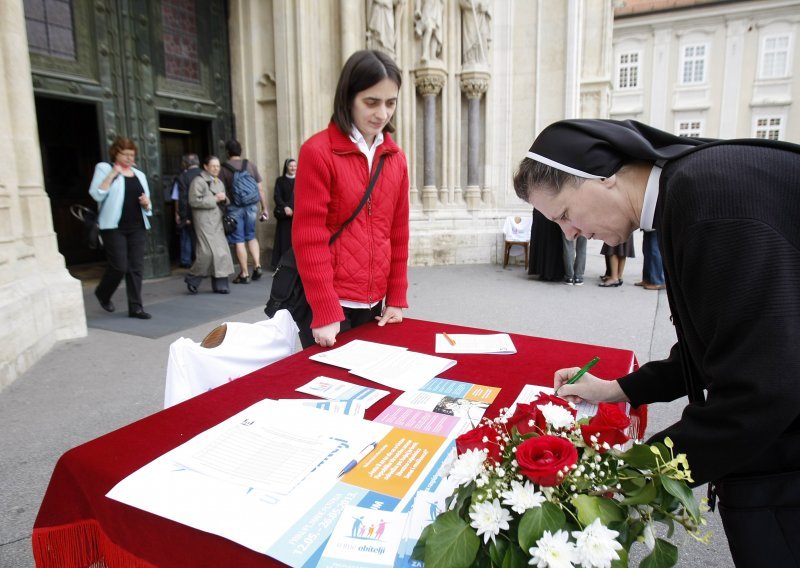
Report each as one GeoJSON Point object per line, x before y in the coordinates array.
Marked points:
{"type": "Point", "coordinates": [428, 26]}
{"type": "Point", "coordinates": [476, 31]}
{"type": "Point", "coordinates": [382, 16]}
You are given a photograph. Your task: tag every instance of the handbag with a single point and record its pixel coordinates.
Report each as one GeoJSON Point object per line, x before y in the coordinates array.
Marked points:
{"type": "Point", "coordinates": [229, 222]}
{"type": "Point", "coordinates": [91, 228]}
{"type": "Point", "coordinates": [287, 291]}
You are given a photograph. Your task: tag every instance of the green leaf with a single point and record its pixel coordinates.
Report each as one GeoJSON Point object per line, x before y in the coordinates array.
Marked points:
{"type": "Point", "coordinates": [450, 543]}
{"type": "Point", "coordinates": [664, 555]}
{"type": "Point", "coordinates": [645, 495]}
{"type": "Point", "coordinates": [418, 553]}
{"type": "Point", "coordinates": [640, 456]}
{"type": "Point", "coordinates": [590, 507]}
{"type": "Point", "coordinates": [497, 550]}
{"type": "Point", "coordinates": [682, 492]}
{"type": "Point", "coordinates": [515, 558]}
{"type": "Point", "coordinates": [535, 521]}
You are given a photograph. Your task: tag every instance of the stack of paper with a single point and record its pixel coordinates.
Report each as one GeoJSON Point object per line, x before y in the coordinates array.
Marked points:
{"type": "Point", "coordinates": [395, 367]}
{"type": "Point", "coordinates": [494, 344]}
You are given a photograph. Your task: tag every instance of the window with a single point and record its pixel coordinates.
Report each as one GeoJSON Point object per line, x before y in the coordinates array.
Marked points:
{"type": "Point", "coordinates": [693, 65]}
{"type": "Point", "coordinates": [774, 56]}
{"type": "Point", "coordinates": [50, 28]}
{"type": "Point", "coordinates": [628, 70]}
{"type": "Point", "coordinates": [690, 128]}
{"type": "Point", "coordinates": [769, 128]}
{"type": "Point", "coordinates": [181, 57]}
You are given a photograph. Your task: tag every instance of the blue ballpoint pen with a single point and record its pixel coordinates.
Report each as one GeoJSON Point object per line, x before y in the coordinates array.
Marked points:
{"type": "Point", "coordinates": [361, 455]}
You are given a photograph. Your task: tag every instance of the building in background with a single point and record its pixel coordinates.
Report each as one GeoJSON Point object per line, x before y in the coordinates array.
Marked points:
{"type": "Point", "coordinates": [717, 69]}
{"type": "Point", "coordinates": [480, 79]}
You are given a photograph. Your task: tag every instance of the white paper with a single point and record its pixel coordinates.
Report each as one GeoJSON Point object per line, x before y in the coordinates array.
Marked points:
{"type": "Point", "coordinates": [346, 407]}
{"type": "Point", "coordinates": [490, 344]}
{"type": "Point", "coordinates": [365, 537]}
{"type": "Point", "coordinates": [249, 516]}
{"type": "Point", "coordinates": [404, 370]}
{"type": "Point", "coordinates": [334, 389]}
{"type": "Point", "coordinates": [529, 392]}
{"type": "Point", "coordinates": [355, 353]}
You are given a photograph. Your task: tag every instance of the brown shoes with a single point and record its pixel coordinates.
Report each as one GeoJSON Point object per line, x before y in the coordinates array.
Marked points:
{"type": "Point", "coordinates": [648, 286]}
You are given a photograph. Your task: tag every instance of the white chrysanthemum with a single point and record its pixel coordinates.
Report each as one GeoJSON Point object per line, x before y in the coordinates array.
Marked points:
{"type": "Point", "coordinates": [468, 467]}
{"type": "Point", "coordinates": [596, 546]}
{"type": "Point", "coordinates": [522, 497]}
{"type": "Point", "coordinates": [553, 551]}
{"type": "Point", "coordinates": [488, 519]}
{"type": "Point", "coordinates": [557, 416]}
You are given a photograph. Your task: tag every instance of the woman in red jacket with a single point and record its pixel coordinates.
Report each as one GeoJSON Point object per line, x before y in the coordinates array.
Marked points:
{"type": "Point", "coordinates": [362, 275]}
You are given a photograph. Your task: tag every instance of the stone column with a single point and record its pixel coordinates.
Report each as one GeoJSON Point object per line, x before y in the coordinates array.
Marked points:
{"type": "Point", "coordinates": [474, 84]}
{"type": "Point", "coordinates": [429, 82]}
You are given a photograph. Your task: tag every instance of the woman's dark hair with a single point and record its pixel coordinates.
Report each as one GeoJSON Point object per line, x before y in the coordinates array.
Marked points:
{"type": "Point", "coordinates": [362, 70]}
{"type": "Point", "coordinates": [286, 165]}
{"type": "Point", "coordinates": [207, 159]}
{"type": "Point", "coordinates": [535, 175]}
{"type": "Point", "coordinates": [119, 144]}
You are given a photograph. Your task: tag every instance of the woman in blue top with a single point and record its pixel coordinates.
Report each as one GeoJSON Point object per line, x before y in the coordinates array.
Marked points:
{"type": "Point", "coordinates": [123, 198]}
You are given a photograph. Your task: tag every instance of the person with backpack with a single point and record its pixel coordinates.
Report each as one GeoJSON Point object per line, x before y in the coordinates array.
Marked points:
{"type": "Point", "coordinates": [243, 188]}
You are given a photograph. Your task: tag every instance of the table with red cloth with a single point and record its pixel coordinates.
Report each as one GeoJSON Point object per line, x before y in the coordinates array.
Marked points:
{"type": "Point", "coordinates": [77, 525]}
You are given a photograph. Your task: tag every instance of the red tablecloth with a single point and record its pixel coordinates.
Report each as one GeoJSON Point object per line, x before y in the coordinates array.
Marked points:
{"type": "Point", "coordinates": [77, 525]}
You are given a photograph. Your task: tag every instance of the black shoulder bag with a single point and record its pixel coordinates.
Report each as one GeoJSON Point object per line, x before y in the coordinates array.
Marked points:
{"type": "Point", "coordinates": [287, 289]}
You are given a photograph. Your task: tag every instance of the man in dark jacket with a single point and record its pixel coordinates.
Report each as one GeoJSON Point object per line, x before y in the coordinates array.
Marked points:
{"type": "Point", "coordinates": [183, 213]}
{"type": "Point", "coordinates": [728, 218]}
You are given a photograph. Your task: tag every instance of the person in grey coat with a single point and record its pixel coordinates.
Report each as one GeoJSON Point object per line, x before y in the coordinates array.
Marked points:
{"type": "Point", "coordinates": [213, 257]}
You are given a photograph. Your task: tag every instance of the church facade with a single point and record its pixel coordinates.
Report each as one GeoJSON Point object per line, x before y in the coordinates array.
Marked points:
{"type": "Point", "coordinates": [480, 79]}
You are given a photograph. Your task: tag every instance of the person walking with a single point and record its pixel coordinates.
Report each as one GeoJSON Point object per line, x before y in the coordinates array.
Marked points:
{"type": "Point", "coordinates": [736, 316]}
{"type": "Point", "coordinates": [348, 281]}
{"type": "Point", "coordinates": [123, 197]}
{"type": "Point", "coordinates": [245, 212]}
{"type": "Point", "coordinates": [206, 197]}
{"type": "Point", "coordinates": [190, 165]}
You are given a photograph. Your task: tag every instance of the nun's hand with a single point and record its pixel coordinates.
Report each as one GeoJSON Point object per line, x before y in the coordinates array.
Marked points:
{"type": "Point", "coordinates": [588, 388]}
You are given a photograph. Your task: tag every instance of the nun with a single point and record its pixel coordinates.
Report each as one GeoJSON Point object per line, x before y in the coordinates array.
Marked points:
{"type": "Point", "coordinates": [727, 214]}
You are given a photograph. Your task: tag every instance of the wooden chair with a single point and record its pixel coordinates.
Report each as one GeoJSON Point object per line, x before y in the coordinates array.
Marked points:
{"type": "Point", "coordinates": [517, 231]}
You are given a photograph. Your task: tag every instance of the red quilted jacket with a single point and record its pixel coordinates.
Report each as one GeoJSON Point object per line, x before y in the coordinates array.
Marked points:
{"type": "Point", "coordinates": [368, 262]}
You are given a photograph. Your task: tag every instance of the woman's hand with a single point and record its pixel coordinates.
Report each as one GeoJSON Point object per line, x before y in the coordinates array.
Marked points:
{"type": "Point", "coordinates": [220, 196]}
{"type": "Point", "coordinates": [390, 315]}
{"type": "Point", "coordinates": [588, 388]}
{"type": "Point", "coordinates": [144, 201]}
{"type": "Point", "coordinates": [325, 336]}
{"type": "Point", "coordinates": [288, 211]}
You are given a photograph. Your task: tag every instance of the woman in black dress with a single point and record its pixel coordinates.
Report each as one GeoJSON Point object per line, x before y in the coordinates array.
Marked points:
{"type": "Point", "coordinates": [547, 257]}
{"type": "Point", "coordinates": [284, 210]}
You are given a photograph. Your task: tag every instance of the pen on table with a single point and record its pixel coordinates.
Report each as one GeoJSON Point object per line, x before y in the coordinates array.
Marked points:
{"type": "Point", "coordinates": [580, 373]}
{"type": "Point", "coordinates": [361, 455]}
{"type": "Point", "coordinates": [449, 339]}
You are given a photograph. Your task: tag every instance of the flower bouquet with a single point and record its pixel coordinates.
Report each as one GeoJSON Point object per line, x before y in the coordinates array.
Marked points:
{"type": "Point", "coordinates": [544, 489]}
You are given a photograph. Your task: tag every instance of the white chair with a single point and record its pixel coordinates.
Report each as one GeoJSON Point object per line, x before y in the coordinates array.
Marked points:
{"type": "Point", "coordinates": [231, 350]}
{"type": "Point", "coordinates": [517, 232]}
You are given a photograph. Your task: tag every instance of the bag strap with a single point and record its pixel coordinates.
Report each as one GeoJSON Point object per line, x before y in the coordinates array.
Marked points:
{"type": "Point", "coordinates": [363, 200]}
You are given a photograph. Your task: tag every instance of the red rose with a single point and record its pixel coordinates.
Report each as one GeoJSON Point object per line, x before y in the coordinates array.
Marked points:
{"type": "Point", "coordinates": [608, 426]}
{"type": "Point", "coordinates": [524, 418]}
{"type": "Point", "coordinates": [473, 440]}
{"type": "Point", "coordinates": [541, 458]}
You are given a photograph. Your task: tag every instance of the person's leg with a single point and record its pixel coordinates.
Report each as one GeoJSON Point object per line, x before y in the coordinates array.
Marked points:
{"type": "Point", "coordinates": [653, 267]}
{"type": "Point", "coordinates": [255, 252]}
{"type": "Point", "coordinates": [580, 260]}
{"type": "Point", "coordinates": [185, 247]}
{"type": "Point", "coordinates": [241, 257]}
{"type": "Point", "coordinates": [116, 256]}
{"type": "Point", "coordinates": [136, 241]}
{"type": "Point", "coordinates": [220, 284]}
{"type": "Point", "coordinates": [620, 267]}
{"type": "Point", "coordinates": [568, 251]}
{"type": "Point", "coordinates": [616, 264]}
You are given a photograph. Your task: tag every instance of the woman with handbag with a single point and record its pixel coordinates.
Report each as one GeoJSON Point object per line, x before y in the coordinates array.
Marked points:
{"type": "Point", "coordinates": [123, 196]}
{"type": "Point", "coordinates": [284, 211]}
{"type": "Point", "coordinates": [213, 256]}
{"type": "Point", "coordinates": [362, 275]}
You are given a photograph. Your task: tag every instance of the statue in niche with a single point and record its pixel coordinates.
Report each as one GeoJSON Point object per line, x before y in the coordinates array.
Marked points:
{"type": "Point", "coordinates": [381, 31]}
{"type": "Point", "coordinates": [428, 16]}
{"type": "Point", "coordinates": [476, 30]}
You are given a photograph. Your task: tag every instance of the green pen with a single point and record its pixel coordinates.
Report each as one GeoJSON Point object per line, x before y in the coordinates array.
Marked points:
{"type": "Point", "coordinates": [582, 372]}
